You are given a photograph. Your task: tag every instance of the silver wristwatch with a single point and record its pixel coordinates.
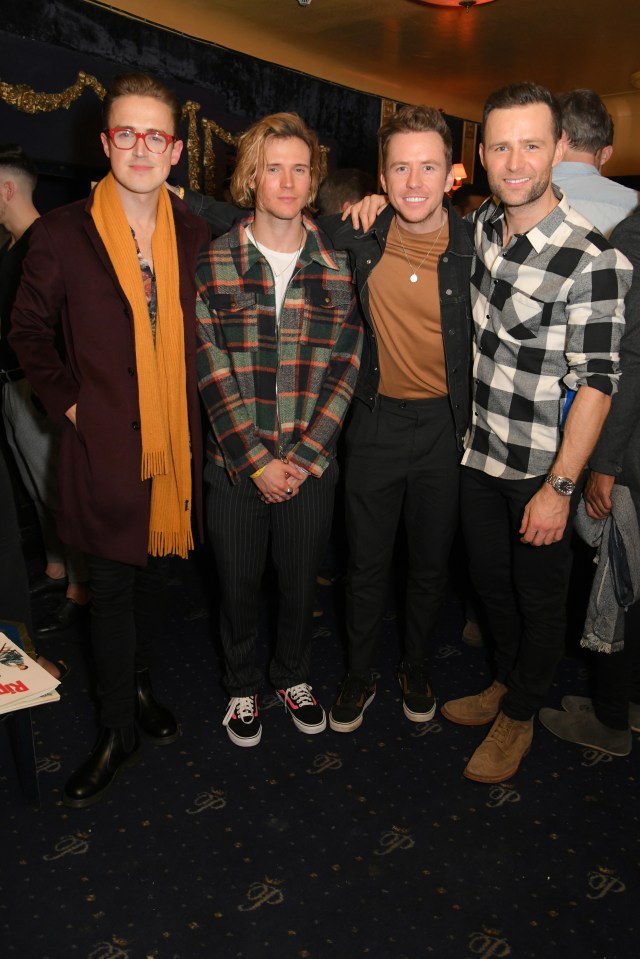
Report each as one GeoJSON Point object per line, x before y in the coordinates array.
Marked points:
{"type": "Point", "coordinates": [561, 484]}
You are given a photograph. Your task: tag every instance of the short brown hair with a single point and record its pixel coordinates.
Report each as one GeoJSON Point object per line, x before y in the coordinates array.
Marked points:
{"type": "Point", "coordinates": [586, 121]}
{"type": "Point", "coordinates": [418, 119]}
{"type": "Point", "coordinates": [251, 154]}
{"type": "Point", "coordinates": [346, 185]}
{"type": "Point", "coordinates": [141, 85]}
{"type": "Point", "coordinates": [523, 94]}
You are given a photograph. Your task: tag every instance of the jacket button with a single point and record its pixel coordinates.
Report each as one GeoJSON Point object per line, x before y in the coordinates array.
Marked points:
{"type": "Point", "coordinates": [375, 369]}
{"type": "Point", "coordinates": [452, 332]}
{"type": "Point", "coordinates": [131, 371]}
{"type": "Point", "coordinates": [368, 262]}
{"type": "Point", "coordinates": [445, 259]}
{"type": "Point", "coordinates": [327, 299]}
{"type": "Point", "coordinates": [135, 425]}
{"type": "Point", "coordinates": [448, 292]}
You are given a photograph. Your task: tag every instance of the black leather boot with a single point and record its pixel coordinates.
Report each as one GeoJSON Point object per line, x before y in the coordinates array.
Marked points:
{"type": "Point", "coordinates": [155, 722]}
{"type": "Point", "coordinates": [114, 750]}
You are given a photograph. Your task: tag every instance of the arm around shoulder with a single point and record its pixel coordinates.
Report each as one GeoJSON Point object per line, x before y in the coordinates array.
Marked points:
{"type": "Point", "coordinates": [219, 215]}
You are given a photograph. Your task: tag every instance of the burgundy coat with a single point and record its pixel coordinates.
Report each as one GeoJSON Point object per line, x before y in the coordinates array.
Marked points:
{"type": "Point", "coordinates": [68, 281]}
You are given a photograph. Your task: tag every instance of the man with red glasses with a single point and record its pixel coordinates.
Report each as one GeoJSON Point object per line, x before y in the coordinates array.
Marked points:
{"type": "Point", "coordinates": [115, 275]}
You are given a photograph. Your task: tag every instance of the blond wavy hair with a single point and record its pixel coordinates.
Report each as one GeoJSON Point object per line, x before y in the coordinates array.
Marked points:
{"type": "Point", "coordinates": [251, 154]}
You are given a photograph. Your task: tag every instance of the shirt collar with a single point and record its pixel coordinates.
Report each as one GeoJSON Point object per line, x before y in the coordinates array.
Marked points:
{"type": "Point", "coordinates": [570, 168]}
{"type": "Point", "coordinates": [247, 254]}
{"type": "Point", "coordinates": [540, 234]}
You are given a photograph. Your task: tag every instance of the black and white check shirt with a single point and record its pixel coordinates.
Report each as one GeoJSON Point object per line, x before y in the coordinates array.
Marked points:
{"type": "Point", "coordinates": [548, 315]}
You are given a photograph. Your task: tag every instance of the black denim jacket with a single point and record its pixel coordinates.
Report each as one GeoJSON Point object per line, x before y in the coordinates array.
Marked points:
{"type": "Point", "coordinates": [454, 272]}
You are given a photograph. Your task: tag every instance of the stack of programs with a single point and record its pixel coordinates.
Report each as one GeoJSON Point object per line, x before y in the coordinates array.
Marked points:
{"type": "Point", "coordinates": [22, 682]}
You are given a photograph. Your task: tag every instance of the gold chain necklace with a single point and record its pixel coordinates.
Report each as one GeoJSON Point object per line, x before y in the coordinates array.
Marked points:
{"type": "Point", "coordinates": [414, 275]}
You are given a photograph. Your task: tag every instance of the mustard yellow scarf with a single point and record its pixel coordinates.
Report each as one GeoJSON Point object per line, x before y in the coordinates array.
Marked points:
{"type": "Point", "coordinates": [162, 389]}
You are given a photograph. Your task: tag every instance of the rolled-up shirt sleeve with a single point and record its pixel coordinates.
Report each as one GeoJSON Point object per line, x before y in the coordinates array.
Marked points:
{"type": "Point", "coordinates": [595, 322]}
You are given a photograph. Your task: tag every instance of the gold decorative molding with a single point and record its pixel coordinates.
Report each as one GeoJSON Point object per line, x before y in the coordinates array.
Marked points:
{"type": "Point", "coordinates": [210, 127]}
{"type": "Point", "coordinates": [190, 110]}
{"type": "Point", "coordinates": [28, 100]}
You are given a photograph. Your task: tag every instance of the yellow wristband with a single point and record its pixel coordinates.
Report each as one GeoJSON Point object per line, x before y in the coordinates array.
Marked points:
{"type": "Point", "coordinates": [181, 192]}
{"type": "Point", "coordinates": [258, 472]}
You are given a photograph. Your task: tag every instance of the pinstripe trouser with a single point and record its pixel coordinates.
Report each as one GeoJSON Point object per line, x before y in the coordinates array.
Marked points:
{"type": "Point", "coordinates": [240, 527]}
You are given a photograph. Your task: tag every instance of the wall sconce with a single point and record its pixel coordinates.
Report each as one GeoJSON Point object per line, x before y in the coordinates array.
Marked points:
{"type": "Point", "coordinates": [459, 174]}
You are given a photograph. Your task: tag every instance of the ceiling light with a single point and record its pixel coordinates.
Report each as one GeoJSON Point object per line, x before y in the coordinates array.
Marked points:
{"type": "Point", "coordinates": [466, 4]}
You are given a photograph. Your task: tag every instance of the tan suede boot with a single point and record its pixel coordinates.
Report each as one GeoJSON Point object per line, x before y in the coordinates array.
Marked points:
{"type": "Point", "coordinates": [499, 756]}
{"type": "Point", "coordinates": [476, 710]}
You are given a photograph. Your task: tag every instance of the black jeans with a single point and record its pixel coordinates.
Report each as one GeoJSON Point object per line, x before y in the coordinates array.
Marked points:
{"type": "Point", "coordinates": [401, 464]}
{"type": "Point", "coordinates": [127, 607]}
{"type": "Point", "coordinates": [523, 588]}
{"type": "Point", "coordinates": [241, 527]}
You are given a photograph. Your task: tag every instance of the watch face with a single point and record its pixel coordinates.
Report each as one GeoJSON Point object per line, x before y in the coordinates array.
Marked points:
{"type": "Point", "coordinates": [564, 486]}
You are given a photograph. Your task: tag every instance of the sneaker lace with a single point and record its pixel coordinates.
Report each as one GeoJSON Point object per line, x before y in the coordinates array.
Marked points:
{"type": "Point", "coordinates": [242, 706]}
{"type": "Point", "coordinates": [300, 695]}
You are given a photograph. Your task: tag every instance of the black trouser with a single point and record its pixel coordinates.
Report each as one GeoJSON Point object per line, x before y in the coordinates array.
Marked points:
{"type": "Point", "coordinates": [240, 526]}
{"type": "Point", "coordinates": [14, 586]}
{"type": "Point", "coordinates": [127, 608]}
{"type": "Point", "coordinates": [523, 588]}
{"type": "Point", "coordinates": [401, 463]}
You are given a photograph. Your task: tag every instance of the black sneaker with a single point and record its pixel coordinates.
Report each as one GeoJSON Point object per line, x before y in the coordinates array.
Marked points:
{"type": "Point", "coordinates": [307, 714]}
{"type": "Point", "coordinates": [242, 722]}
{"type": "Point", "coordinates": [418, 702]}
{"type": "Point", "coordinates": [348, 710]}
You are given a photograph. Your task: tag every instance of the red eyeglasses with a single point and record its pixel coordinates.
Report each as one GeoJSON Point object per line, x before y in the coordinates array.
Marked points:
{"type": "Point", "coordinates": [124, 138]}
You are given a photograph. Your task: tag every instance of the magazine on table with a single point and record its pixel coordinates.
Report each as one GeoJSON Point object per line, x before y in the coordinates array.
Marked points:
{"type": "Point", "coordinates": [23, 683]}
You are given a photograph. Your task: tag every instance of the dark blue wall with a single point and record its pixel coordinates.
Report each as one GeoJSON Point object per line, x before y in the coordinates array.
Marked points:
{"type": "Point", "coordinates": [46, 43]}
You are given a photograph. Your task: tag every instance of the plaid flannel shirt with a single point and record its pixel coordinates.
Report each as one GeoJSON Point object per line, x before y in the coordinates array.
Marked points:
{"type": "Point", "coordinates": [275, 389]}
{"type": "Point", "coordinates": [548, 315]}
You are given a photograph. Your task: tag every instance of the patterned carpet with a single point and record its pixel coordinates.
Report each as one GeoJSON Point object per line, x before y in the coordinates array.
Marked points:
{"type": "Point", "coordinates": [363, 845]}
